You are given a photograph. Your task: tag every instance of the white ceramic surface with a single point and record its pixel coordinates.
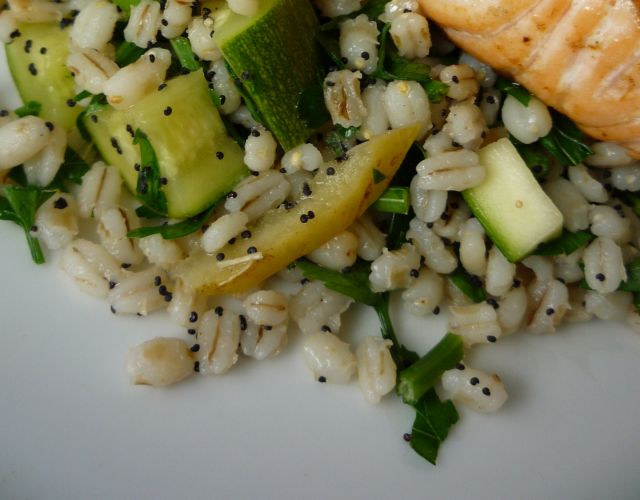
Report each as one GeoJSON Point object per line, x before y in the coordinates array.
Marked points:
{"type": "Point", "coordinates": [72, 428]}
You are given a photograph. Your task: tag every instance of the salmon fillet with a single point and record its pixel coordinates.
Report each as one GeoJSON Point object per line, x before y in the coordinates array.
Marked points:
{"type": "Point", "coordinates": [581, 57]}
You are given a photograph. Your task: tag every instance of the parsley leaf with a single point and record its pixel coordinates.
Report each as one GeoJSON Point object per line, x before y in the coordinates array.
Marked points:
{"type": "Point", "coordinates": [434, 419]}
{"type": "Point", "coordinates": [311, 107]}
{"type": "Point", "coordinates": [97, 102]}
{"type": "Point", "coordinates": [337, 138]}
{"type": "Point", "coordinates": [177, 230]}
{"type": "Point", "coordinates": [28, 108]}
{"type": "Point", "coordinates": [514, 90]}
{"type": "Point", "coordinates": [149, 186]}
{"type": "Point", "coordinates": [566, 141]}
{"type": "Point", "coordinates": [378, 176]}
{"type": "Point", "coordinates": [534, 156]}
{"type": "Point", "coordinates": [246, 96]}
{"type": "Point", "coordinates": [71, 171]}
{"type": "Point", "coordinates": [372, 8]}
{"type": "Point", "coordinates": [82, 95]}
{"type": "Point", "coordinates": [397, 232]}
{"type": "Point", "coordinates": [128, 53]}
{"type": "Point", "coordinates": [355, 284]}
{"type": "Point", "coordinates": [182, 49]}
{"type": "Point", "coordinates": [468, 284]}
{"type": "Point", "coordinates": [402, 356]}
{"type": "Point", "coordinates": [632, 284]}
{"type": "Point", "coordinates": [566, 243]}
{"type": "Point", "coordinates": [392, 66]}
{"type": "Point", "coordinates": [19, 205]}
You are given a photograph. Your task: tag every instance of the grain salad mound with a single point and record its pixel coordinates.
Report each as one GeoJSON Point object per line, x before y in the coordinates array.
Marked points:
{"type": "Point", "coordinates": [254, 198]}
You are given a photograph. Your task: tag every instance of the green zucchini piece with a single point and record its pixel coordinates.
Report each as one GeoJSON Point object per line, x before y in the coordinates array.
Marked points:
{"type": "Point", "coordinates": [37, 61]}
{"type": "Point", "coordinates": [199, 161]}
{"type": "Point", "coordinates": [510, 204]}
{"type": "Point", "coordinates": [275, 55]}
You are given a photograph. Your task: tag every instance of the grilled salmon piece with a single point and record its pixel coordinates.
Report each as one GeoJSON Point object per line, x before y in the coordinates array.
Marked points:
{"type": "Point", "coordinates": [581, 57]}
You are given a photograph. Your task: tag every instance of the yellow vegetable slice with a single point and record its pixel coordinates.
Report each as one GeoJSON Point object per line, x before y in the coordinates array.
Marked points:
{"type": "Point", "coordinates": [340, 193]}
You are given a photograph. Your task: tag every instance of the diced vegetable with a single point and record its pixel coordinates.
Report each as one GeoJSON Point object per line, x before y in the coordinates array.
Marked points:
{"type": "Point", "coordinates": [283, 33]}
{"type": "Point", "coordinates": [37, 61]}
{"type": "Point", "coordinates": [198, 161]}
{"type": "Point", "coordinates": [510, 204]}
{"type": "Point", "coordinates": [341, 192]}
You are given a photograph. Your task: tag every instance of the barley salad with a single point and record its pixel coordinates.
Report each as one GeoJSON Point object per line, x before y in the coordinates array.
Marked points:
{"type": "Point", "coordinates": [174, 170]}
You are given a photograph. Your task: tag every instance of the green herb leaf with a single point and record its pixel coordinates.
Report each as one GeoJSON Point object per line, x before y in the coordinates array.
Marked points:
{"type": "Point", "coordinates": [566, 243]}
{"type": "Point", "coordinates": [372, 8]}
{"type": "Point", "coordinates": [177, 230]}
{"type": "Point", "coordinates": [311, 107]}
{"type": "Point", "coordinates": [71, 171]}
{"type": "Point", "coordinates": [331, 48]}
{"type": "Point", "coordinates": [397, 233]}
{"type": "Point", "coordinates": [630, 199]}
{"type": "Point", "coordinates": [97, 102]}
{"type": "Point", "coordinates": [402, 356]}
{"type": "Point", "coordinates": [415, 381]}
{"type": "Point", "coordinates": [395, 200]}
{"type": "Point", "coordinates": [184, 53]}
{"type": "Point", "coordinates": [514, 90]}
{"type": "Point", "coordinates": [29, 108]}
{"type": "Point", "coordinates": [470, 285]}
{"type": "Point", "coordinates": [232, 130]}
{"type": "Point", "coordinates": [632, 284]}
{"type": "Point", "coordinates": [82, 95]}
{"type": "Point", "coordinates": [128, 53]}
{"type": "Point", "coordinates": [246, 96]}
{"type": "Point", "coordinates": [336, 139]}
{"type": "Point", "coordinates": [434, 419]}
{"type": "Point", "coordinates": [378, 176]}
{"type": "Point", "coordinates": [354, 284]}
{"type": "Point", "coordinates": [215, 98]}
{"type": "Point", "coordinates": [436, 90]}
{"type": "Point", "coordinates": [534, 156]}
{"type": "Point", "coordinates": [149, 186]}
{"type": "Point", "coordinates": [392, 66]}
{"type": "Point", "coordinates": [566, 141]}
{"type": "Point", "coordinates": [19, 205]}
{"type": "Point", "coordinates": [636, 301]}
{"type": "Point", "coordinates": [125, 5]}
{"type": "Point", "coordinates": [145, 212]}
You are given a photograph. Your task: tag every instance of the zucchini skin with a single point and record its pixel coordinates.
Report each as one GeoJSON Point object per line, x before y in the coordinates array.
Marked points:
{"type": "Point", "coordinates": [276, 58]}
{"type": "Point", "coordinates": [37, 61]}
{"type": "Point", "coordinates": [196, 156]}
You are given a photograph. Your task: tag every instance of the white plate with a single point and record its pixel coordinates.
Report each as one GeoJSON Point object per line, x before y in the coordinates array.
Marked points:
{"type": "Point", "coordinates": [72, 427]}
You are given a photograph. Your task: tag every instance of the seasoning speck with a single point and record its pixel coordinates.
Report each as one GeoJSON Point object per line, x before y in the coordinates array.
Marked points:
{"type": "Point", "coordinates": [60, 203]}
